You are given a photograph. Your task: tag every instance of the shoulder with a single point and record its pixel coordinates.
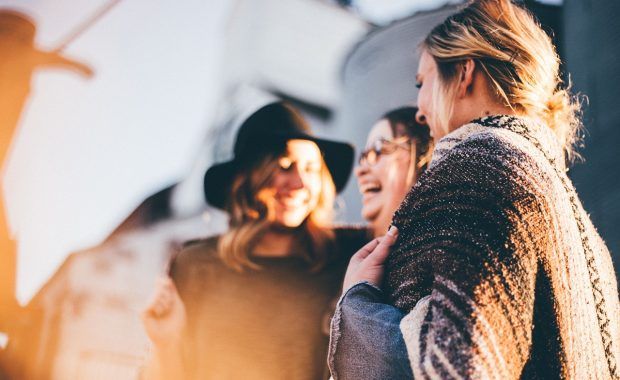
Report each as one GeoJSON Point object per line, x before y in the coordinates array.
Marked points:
{"type": "Point", "coordinates": [196, 267]}
{"type": "Point", "coordinates": [195, 252]}
{"type": "Point", "coordinates": [501, 140]}
{"type": "Point", "coordinates": [478, 167]}
{"type": "Point", "coordinates": [478, 142]}
{"type": "Point", "coordinates": [481, 157]}
{"type": "Point", "coordinates": [208, 242]}
{"type": "Point", "coordinates": [201, 245]}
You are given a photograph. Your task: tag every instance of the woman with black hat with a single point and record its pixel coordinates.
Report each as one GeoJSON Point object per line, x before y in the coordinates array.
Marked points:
{"type": "Point", "coordinates": [255, 301]}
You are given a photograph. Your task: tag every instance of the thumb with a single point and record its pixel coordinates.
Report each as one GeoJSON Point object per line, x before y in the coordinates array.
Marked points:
{"type": "Point", "coordinates": [378, 256]}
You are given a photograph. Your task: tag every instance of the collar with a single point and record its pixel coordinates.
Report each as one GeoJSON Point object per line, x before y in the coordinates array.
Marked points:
{"type": "Point", "coordinates": [537, 134]}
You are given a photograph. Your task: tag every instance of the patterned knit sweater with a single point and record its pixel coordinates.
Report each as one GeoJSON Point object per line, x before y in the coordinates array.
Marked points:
{"type": "Point", "coordinates": [498, 266]}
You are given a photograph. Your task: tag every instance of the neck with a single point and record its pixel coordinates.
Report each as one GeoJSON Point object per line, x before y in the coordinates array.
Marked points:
{"type": "Point", "coordinates": [275, 243]}
{"type": "Point", "coordinates": [479, 101]}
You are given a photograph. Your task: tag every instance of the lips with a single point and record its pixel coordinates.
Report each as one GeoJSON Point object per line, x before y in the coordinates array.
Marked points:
{"type": "Point", "coordinates": [369, 190]}
{"type": "Point", "coordinates": [370, 187]}
{"type": "Point", "coordinates": [292, 202]}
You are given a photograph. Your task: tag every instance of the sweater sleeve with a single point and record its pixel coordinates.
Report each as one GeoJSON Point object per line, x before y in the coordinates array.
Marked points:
{"type": "Point", "coordinates": [365, 339]}
{"type": "Point", "coordinates": [465, 265]}
{"type": "Point", "coordinates": [191, 269]}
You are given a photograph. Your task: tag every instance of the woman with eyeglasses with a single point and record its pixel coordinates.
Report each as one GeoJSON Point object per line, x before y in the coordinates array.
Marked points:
{"type": "Point", "coordinates": [398, 150]}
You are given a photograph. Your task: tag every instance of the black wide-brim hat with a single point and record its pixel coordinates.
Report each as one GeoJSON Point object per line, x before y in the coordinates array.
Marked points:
{"type": "Point", "coordinates": [268, 130]}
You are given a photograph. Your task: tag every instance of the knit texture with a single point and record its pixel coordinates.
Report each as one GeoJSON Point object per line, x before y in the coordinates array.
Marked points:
{"type": "Point", "coordinates": [498, 265]}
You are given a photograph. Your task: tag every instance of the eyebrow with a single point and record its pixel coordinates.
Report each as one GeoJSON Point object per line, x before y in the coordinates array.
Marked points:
{"type": "Point", "coordinates": [417, 77]}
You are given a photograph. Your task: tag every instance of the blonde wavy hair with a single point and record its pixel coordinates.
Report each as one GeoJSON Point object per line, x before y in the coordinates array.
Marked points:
{"type": "Point", "coordinates": [517, 57]}
{"type": "Point", "coordinates": [251, 216]}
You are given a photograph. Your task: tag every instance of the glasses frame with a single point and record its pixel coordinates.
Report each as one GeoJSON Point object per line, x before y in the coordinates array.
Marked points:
{"type": "Point", "coordinates": [370, 156]}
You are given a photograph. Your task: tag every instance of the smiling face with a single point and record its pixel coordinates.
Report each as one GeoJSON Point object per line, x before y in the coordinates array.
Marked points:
{"type": "Point", "coordinates": [295, 188]}
{"type": "Point", "coordinates": [385, 183]}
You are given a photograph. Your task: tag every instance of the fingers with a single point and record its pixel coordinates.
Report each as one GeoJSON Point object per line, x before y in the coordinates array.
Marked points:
{"type": "Point", "coordinates": [367, 249]}
{"type": "Point", "coordinates": [382, 250]}
{"type": "Point", "coordinates": [167, 284]}
{"type": "Point", "coordinates": [163, 299]}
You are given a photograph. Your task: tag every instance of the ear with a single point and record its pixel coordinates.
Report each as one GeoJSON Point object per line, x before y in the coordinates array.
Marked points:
{"type": "Point", "coordinates": [466, 77]}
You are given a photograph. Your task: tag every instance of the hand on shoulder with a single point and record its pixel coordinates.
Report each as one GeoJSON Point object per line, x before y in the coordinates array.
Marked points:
{"type": "Point", "coordinates": [164, 318]}
{"type": "Point", "coordinates": [367, 263]}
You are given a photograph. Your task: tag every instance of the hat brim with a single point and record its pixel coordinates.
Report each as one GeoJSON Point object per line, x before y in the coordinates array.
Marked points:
{"type": "Point", "coordinates": [218, 180]}
{"type": "Point", "coordinates": [338, 157]}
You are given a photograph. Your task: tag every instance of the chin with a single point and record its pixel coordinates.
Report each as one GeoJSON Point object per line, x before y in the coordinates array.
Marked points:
{"type": "Point", "coordinates": [381, 222]}
{"type": "Point", "coordinates": [377, 231]}
{"type": "Point", "coordinates": [370, 215]}
{"type": "Point", "coordinates": [291, 221]}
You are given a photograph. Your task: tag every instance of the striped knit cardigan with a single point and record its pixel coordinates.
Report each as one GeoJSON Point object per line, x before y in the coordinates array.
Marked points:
{"type": "Point", "coordinates": [498, 267]}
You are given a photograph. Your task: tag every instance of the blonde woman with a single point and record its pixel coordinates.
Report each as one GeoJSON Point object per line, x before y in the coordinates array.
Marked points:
{"type": "Point", "coordinates": [253, 302]}
{"type": "Point", "coordinates": [496, 270]}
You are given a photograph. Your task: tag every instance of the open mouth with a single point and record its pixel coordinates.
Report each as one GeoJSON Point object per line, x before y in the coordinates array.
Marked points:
{"type": "Point", "coordinates": [370, 188]}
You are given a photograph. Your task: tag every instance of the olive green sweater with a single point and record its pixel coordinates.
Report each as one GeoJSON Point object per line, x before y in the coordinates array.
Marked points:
{"type": "Point", "coordinates": [271, 323]}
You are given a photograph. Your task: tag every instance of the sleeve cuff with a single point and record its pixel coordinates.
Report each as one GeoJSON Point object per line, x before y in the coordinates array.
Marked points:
{"type": "Point", "coordinates": [365, 289]}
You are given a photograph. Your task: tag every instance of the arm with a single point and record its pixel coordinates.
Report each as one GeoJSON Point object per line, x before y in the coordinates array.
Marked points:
{"type": "Point", "coordinates": [164, 363]}
{"type": "Point", "coordinates": [164, 320]}
{"type": "Point", "coordinates": [365, 339]}
{"type": "Point", "coordinates": [465, 268]}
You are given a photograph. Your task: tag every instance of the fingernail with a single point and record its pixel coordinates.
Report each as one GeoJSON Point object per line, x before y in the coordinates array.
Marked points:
{"type": "Point", "coordinates": [392, 231]}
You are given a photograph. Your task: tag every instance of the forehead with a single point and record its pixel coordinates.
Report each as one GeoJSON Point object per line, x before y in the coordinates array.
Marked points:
{"type": "Point", "coordinates": [381, 130]}
{"type": "Point", "coordinates": [427, 63]}
{"type": "Point", "coordinates": [303, 149]}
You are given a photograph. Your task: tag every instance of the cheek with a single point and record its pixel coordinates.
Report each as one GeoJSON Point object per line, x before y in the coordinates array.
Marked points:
{"type": "Point", "coordinates": [424, 99]}
{"type": "Point", "coordinates": [313, 185]}
{"type": "Point", "coordinates": [276, 182]}
{"type": "Point", "coordinates": [316, 195]}
{"type": "Point", "coordinates": [395, 180]}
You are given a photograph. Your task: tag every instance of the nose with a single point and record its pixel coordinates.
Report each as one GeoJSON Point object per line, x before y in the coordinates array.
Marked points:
{"type": "Point", "coordinates": [420, 118]}
{"type": "Point", "coordinates": [294, 179]}
{"type": "Point", "coordinates": [361, 169]}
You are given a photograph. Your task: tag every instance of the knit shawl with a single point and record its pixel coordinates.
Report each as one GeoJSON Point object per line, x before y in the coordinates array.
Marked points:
{"type": "Point", "coordinates": [498, 267]}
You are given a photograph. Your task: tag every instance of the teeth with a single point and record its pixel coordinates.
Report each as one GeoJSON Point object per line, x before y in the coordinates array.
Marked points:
{"type": "Point", "coordinates": [292, 202]}
{"type": "Point", "coordinates": [369, 187]}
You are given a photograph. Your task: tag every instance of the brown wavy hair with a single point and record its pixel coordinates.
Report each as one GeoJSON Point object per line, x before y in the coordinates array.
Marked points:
{"type": "Point", "coordinates": [251, 216]}
{"type": "Point", "coordinates": [516, 55]}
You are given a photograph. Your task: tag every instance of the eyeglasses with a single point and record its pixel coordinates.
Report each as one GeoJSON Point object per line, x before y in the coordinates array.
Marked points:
{"type": "Point", "coordinates": [380, 147]}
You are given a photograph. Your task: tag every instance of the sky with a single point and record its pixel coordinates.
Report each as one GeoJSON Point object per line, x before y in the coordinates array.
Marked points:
{"type": "Point", "coordinates": [88, 151]}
